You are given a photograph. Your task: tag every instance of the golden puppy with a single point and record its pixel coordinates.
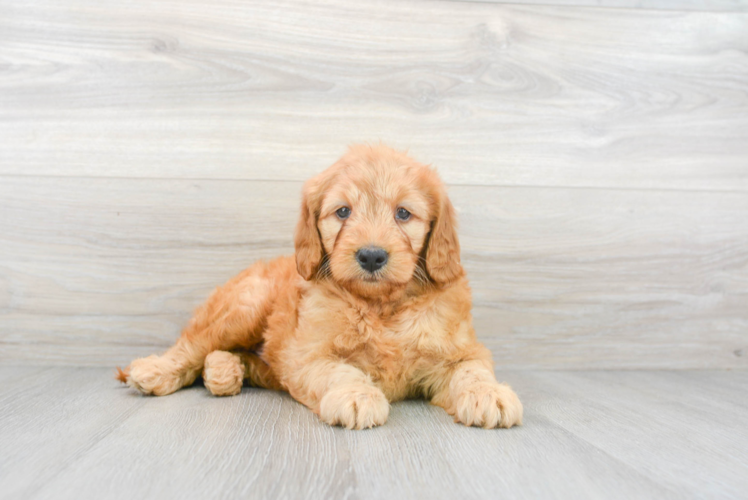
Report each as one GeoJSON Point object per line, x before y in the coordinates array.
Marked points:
{"type": "Point", "coordinates": [374, 307]}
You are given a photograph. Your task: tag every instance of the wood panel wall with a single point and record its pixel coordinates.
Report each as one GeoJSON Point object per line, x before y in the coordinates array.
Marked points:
{"type": "Point", "coordinates": [598, 159]}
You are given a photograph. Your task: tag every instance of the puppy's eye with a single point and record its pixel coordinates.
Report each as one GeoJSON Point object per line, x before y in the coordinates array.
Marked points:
{"type": "Point", "coordinates": [402, 214]}
{"type": "Point", "coordinates": [343, 212]}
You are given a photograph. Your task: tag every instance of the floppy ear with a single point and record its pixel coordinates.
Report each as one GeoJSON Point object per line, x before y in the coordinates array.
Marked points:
{"type": "Point", "coordinates": [307, 240]}
{"type": "Point", "coordinates": [443, 252]}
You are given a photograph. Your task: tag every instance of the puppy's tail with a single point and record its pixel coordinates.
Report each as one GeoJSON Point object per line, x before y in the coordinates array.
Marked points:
{"type": "Point", "coordinates": [122, 375]}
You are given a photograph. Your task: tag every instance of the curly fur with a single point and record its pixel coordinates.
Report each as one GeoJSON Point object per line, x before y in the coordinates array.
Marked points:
{"type": "Point", "coordinates": [344, 342]}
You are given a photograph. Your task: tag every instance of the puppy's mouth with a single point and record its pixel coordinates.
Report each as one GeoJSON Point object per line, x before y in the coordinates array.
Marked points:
{"type": "Point", "coordinates": [375, 278]}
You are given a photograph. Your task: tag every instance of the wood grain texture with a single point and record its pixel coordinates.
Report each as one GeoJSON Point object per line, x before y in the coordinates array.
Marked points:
{"type": "Point", "coordinates": [598, 158]}
{"type": "Point", "coordinates": [493, 94]}
{"type": "Point", "coordinates": [703, 5]}
{"type": "Point", "coordinates": [75, 433]}
{"type": "Point", "coordinates": [98, 271]}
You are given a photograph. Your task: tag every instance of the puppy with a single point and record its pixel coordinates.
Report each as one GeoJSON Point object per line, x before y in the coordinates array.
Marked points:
{"type": "Point", "coordinates": [374, 307]}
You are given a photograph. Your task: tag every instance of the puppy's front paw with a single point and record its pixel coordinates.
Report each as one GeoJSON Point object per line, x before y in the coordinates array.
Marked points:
{"type": "Point", "coordinates": [488, 405]}
{"type": "Point", "coordinates": [223, 373]}
{"type": "Point", "coordinates": [354, 407]}
{"type": "Point", "coordinates": [154, 375]}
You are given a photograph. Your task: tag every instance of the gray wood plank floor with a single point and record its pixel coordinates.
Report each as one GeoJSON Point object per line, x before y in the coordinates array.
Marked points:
{"type": "Point", "coordinates": [75, 433]}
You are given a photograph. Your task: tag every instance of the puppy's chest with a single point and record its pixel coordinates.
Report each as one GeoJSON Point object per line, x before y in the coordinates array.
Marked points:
{"type": "Point", "coordinates": [392, 346]}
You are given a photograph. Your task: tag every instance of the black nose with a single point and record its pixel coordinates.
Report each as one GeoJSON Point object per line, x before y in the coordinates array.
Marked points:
{"type": "Point", "coordinates": [371, 258]}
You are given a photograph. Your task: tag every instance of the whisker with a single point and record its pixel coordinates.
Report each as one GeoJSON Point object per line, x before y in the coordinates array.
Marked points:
{"type": "Point", "coordinates": [323, 271]}
{"type": "Point", "coordinates": [420, 276]}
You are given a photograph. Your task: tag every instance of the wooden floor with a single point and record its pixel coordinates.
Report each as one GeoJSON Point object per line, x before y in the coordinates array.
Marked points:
{"type": "Point", "coordinates": [76, 433]}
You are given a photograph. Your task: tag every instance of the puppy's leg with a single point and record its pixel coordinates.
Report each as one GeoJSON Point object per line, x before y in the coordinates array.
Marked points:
{"type": "Point", "coordinates": [232, 317]}
{"type": "Point", "coordinates": [470, 393]}
{"type": "Point", "coordinates": [257, 372]}
{"type": "Point", "coordinates": [340, 394]}
{"type": "Point", "coordinates": [225, 371]}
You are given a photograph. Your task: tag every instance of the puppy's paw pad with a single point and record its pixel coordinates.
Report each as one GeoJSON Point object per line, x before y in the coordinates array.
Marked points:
{"type": "Point", "coordinates": [355, 407]}
{"type": "Point", "coordinates": [153, 375]}
{"type": "Point", "coordinates": [223, 373]}
{"type": "Point", "coordinates": [488, 405]}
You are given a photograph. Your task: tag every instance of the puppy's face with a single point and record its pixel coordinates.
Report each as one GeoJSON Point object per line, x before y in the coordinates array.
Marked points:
{"type": "Point", "coordinates": [375, 221]}
{"type": "Point", "coordinates": [373, 224]}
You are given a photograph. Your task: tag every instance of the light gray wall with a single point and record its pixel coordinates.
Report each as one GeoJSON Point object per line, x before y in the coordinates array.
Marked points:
{"type": "Point", "coordinates": [598, 158]}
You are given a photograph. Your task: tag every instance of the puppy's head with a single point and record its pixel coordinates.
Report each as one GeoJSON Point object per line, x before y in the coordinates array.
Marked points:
{"type": "Point", "coordinates": [375, 221]}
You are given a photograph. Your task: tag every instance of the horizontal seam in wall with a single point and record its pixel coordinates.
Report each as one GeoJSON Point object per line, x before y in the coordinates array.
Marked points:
{"type": "Point", "coordinates": [292, 181]}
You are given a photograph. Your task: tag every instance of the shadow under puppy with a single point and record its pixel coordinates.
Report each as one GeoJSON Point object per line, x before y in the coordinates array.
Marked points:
{"type": "Point", "coordinates": [374, 307]}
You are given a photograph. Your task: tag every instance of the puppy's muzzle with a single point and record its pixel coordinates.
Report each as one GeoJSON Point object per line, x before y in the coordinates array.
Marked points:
{"type": "Point", "coordinates": [372, 258]}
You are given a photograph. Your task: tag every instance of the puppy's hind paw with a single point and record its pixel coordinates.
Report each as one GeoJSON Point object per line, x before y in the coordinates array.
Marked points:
{"type": "Point", "coordinates": [223, 373]}
{"type": "Point", "coordinates": [355, 407]}
{"type": "Point", "coordinates": [154, 375]}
